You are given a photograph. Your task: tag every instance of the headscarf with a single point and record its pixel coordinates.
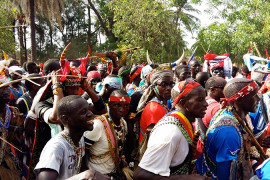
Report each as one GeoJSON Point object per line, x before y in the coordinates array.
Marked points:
{"type": "Point", "coordinates": [215, 61]}
{"type": "Point", "coordinates": [183, 88]}
{"type": "Point", "coordinates": [114, 82]}
{"type": "Point", "coordinates": [243, 92]}
{"type": "Point", "coordinates": [136, 73]}
{"type": "Point", "coordinates": [93, 74]}
{"type": "Point", "coordinates": [12, 69]}
{"type": "Point", "coordinates": [146, 70]}
{"type": "Point", "coordinates": [149, 92]}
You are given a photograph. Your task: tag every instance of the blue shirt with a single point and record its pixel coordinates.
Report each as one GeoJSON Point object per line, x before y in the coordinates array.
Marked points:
{"type": "Point", "coordinates": [222, 146]}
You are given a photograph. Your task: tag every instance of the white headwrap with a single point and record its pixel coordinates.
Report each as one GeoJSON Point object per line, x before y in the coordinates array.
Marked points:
{"type": "Point", "coordinates": [12, 69]}
{"type": "Point", "coordinates": [146, 70]}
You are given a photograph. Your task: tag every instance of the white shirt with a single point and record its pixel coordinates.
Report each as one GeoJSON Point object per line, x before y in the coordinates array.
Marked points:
{"type": "Point", "coordinates": [55, 128]}
{"type": "Point", "coordinates": [59, 155]}
{"type": "Point", "coordinates": [167, 147]}
{"type": "Point", "coordinates": [104, 165]}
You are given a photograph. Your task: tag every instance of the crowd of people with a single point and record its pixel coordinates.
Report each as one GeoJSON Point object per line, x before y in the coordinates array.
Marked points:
{"type": "Point", "coordinates": [73, 119]}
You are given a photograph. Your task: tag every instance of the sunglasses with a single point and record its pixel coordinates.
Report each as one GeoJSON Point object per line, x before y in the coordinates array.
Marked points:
{"type": "Point", "coordinates": [171, 84]}
{"type": "Point", "coordinates": [220, 87]}
{"type": "Point", "coordinates": [217, 71]}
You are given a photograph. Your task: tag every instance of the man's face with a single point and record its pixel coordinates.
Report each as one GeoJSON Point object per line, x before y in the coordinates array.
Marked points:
{"type": "Point", "coordinates": [196, 104]}
{"type": "Point", "coordinates": [217, 90]}
{"type": "Point", "coordinates": [250, 102]}
{"type": "Point", "coordinates": [165, 86]}
{"type": "Point", "coordinates": [195, 67]}
{"type": "Point", "coordinates": [81, 117]}
{"type": "Point", "coordinates": [72, 90]}
{"type": "Point", "coordinates": [118, 109]}
{"type": "Point", "coordinates": [219, 72]}
{"type": "Point", "coordinates": [4, 95]}
{"type": "Point", "coordinates": [184, 74]}
{"type": "Point", "coordinates": [234, 71]}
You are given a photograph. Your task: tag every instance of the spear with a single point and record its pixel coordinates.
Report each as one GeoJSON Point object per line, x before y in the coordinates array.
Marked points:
{"type": "Point", "coordinates": [20, 75]}
{"type": "Point", "coordinates": [29, 79]}
{"type": "Point", "coordinates": [115, 51]}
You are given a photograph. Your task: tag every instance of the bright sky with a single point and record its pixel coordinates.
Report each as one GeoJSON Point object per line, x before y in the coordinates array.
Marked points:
{"type": "Point", "coordinates": [205, 18]}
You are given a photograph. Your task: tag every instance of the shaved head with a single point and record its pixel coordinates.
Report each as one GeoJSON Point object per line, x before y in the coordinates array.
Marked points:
{"type": "Point", "coordinates": [235, 85]}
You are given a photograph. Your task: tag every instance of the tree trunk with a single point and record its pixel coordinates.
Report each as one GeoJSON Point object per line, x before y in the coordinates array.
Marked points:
{"type": "Point", "coordinates": [33, 30]}
{"type": "Point", "coordinates": [22, 48]}
{"type": "Point", "coordinates": [14, 23]}
{"type": "Point", "coordinates": [89, 26]}
{"type": "Point", "coordinates": [24, 36]}
{"type": "Point", "coordinates": [108, 31]}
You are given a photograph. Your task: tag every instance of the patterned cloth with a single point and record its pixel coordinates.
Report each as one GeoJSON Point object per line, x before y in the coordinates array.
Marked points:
{"type": "Point", "coordinates": [223, 144]}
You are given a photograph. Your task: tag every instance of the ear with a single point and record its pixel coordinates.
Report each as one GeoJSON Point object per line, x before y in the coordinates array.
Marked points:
{"type": "Point", "coordinates": [212, 90]}
{"type": "Point", "coordinates": [64, 119]}
{"type": "Point", "coordinates": [182, 102]}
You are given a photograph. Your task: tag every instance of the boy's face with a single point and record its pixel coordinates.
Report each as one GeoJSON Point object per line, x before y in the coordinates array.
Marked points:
{"type": "Point", "coordinates": [80, 117]}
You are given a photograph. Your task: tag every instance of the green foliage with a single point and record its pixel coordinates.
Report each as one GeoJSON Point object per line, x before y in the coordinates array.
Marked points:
{"type": "Point", "coordinates": [7, 15]}
{"type": "Point", "coordinates": [245, 22]}
{"type": "Point", "coordinates": [147, 23]}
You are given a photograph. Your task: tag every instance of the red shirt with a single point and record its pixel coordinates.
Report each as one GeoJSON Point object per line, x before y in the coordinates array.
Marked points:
{"type": "Point", "coordinates": [152, 113]}
{"type": "Point", "coordinates": [212, 108]}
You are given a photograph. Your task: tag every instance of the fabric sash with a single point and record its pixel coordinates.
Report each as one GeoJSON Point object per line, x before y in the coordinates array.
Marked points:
{"type": "Point", "coordinates": [112, 142]}
{"type": "Point", "coordinates": [184, 121]}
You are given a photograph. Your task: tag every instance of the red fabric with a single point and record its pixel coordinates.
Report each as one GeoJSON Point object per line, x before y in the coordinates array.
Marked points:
{"type": "Point", "coordinates": [65, 69]}
{"type": "Point", "coordinates": [188, 88]}
{"type": "Point", "coordinates": [265, 86]}
{"type": "Point", "coordinates": [209, 56]}
{"type": "Point", "coordinates": [244, 91]}
{"type": "Point", "coordinates": [267, 134]}
{"type": "Point", "coordinates": [137, 73]}
{"type": "Point", "coordinates": [119, 99]}
{"type": "Point", "coordinates": [93, 74]}
{"type": "Point", "coordinates": [82, 67]}
{"type": "Point", "coordinates": [212, 108]}
{"type": "Point", "coordinates": [248, 75]}
{"type": "Point", "coordinates": [152, 113]}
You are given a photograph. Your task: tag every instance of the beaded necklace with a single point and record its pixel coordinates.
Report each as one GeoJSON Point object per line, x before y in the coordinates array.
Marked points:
{"type": "Point", "coordinates": [120, 134]}
{"type": "Point", "coordinates": [77, 151]}
{"type": "Point", "coordinates": [5, 124]}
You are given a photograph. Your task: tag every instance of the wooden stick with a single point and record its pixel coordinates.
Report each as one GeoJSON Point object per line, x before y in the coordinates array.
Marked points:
{"type": "Point", "coordinates": [258, 146]}
{"type": "Point", "coordinates": [20, 75]}
{"type": "Point", "coordinates": [10, 144]}
{"type": "Point", "coordinates": [115, 51]}
{"type": "Point", "coordinates": [203, 49]}
{"type": "Point", "coordinates": [208, 47]}
{"type": "Point", "coordinates": [18, 80]}
{"type": "Point", "coordinates": [255, 45]}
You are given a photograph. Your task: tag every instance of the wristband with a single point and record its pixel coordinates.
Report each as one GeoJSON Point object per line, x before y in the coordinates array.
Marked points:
{"type": "Point", "coordinates": [57, 90]}
{"type": "Point", "coordinates": [57, 86]}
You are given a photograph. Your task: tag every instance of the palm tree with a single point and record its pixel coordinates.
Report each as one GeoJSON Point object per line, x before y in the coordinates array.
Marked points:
{"type": "Point", "coordinates": [183, 16]}
{"type": "Point", "coordinates": [51, 9]}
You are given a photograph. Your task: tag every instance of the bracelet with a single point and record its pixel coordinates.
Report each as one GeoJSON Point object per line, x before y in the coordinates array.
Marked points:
{"type": "Point", "coordinates": [57, 90]}
{"type": "Point", "coordinates": [86, 87]}
{"type": "Point", "coordinates": [57, 86]}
